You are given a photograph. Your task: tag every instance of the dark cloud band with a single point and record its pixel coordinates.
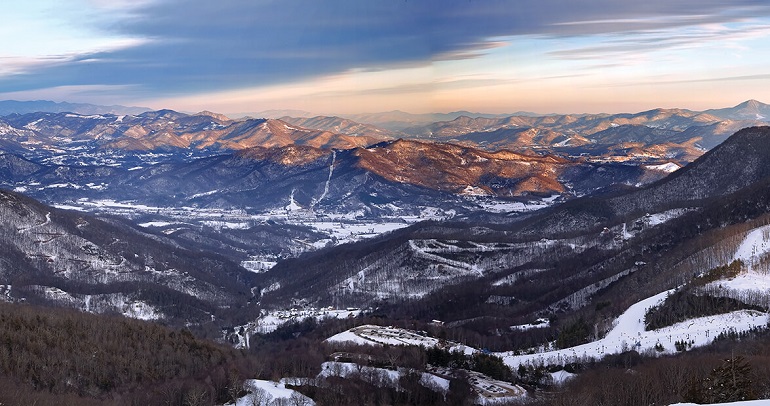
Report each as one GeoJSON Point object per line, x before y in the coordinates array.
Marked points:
{"type": "Point", "coordinates": [202, 46]}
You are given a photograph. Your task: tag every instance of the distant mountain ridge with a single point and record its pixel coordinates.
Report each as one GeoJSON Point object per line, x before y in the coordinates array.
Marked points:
{"type": "Point", "coordinates": [163, 130]}
{"type": "Point", "coordinates": [678, 134]}
{"type": "Point", "coordinates": [748, 110]}
{"type": "Point", "coordinates": [391, 177]}
{"type": "Point", "coordinates": [23, 107]}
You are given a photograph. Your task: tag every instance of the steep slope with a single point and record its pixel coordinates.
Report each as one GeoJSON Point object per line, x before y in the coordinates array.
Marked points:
{"type": "Point", "coordinates": [464, 170]}
{"type": "Point", "coordinates": [738, 163]}
{"type": "Point", "coordinates": [74, 260]}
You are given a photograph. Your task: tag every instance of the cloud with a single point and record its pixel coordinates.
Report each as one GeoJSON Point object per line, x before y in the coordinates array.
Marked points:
{"type": "Point", "coordinates": [637, 42]}
{"type": "Point", "coordinates": [185, 48]}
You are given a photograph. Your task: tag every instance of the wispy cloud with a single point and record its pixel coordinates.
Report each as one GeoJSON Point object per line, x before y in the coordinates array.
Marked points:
{"type": "Point", "coordinates": [638, 42]}
{"type": "Point", "coordinates": [173, 48]}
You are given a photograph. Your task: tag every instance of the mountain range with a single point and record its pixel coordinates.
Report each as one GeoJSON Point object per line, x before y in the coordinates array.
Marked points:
{"type": "Point", "coordinates": [8, 107]}
{"type": "Point", "coordinates": [628, 236]}
{"type": "Point", "coordinates": [516, 234]}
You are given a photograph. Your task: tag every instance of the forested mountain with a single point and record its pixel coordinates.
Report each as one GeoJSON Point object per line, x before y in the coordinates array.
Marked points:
{"type": "Point", "coordinates": [609, 240]}
{"type": "Point", "coordinates": [107, 266]}
{"type": "Point", "coordinates": [55, 356]}
{"type": "Point", "coordinates": [265, 265]}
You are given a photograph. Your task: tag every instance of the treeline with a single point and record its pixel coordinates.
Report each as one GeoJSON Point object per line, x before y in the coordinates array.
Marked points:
{"type": "Point", "coordinates": [355, 391]}
{"type": "Point", "coordinates": [298, 350]}
{"type": "Point", "coordinates": [56, 356]}
{"type": "Point", "coordinates": [489, 365]}
{"type": "Point", "coordinates": [729, 370]}
{"type": "Point", "coordinates": [689, 302]}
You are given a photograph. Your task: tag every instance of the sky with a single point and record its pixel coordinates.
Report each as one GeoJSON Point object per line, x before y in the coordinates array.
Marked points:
{"type": "Point", "coordinates": [356, 56]}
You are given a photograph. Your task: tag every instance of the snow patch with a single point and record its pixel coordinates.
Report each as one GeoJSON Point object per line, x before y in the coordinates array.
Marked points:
{"type": "Point", "coordinates": [667, 167]}
{"type": "Point", "coordinates": [379, 335]}
{"type": "Point", "coordinates": [539, 323]}
{"type": "Point", "coordinates": [273, 393]}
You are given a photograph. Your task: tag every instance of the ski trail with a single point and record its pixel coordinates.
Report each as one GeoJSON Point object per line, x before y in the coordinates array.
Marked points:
{"type": "Point", "coordinates": [328, 180]}
{"type": "Point", "coordinates": [292, 206]}
{"type": "Point", "coordinates": [420, 252]}
{"type": "Point", "coordinates": [45, 223]}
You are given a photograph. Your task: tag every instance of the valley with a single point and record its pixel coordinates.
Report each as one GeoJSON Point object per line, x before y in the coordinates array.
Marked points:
{"type": "Point", "coordinates": [369, 203]}
{"type": "Point", "coordinates": [474, 265]}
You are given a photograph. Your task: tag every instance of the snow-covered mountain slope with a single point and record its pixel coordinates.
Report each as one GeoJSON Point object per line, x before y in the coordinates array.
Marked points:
{"type": "Point", "coordinates": [629, 333]}
{"type": "Point", "coordinates": [263, 392]}
{"type": "Point", "coordinates": [104, 266]}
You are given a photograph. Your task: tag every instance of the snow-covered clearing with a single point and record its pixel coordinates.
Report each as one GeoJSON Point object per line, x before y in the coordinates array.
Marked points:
{"type": "Point", "coordinates": [257, 266]}
{"type": "Point", "coordinates": [667, 167]}
{"type": "Point", "coordinates": [379, 335]}
{"type": "Point", "coordinates": [270, 321]}
{"type": "Point", "coordinates": [755, 245]}
{"type": "Point", "coordinates": [458, 265]}
{"type": "Point", "coordinates": [628, 333]}
{"type": "Point", "coordinates": [275, 319]}
{"type": "Point", "coordinates": [630, 229]}
{"type": "Point", "coordinates": [753, 284]}
{"type": "Point", "coordinates": [502, 206]}
{"type": "Point", "coordinates": [560, 377]}
{"type": "Point", "coordinates": [488, 391]}
{"type": "Point", "coordinates": [267, 392]}
{"type": "Point", "coordinates": [386, 377]}
{"type": "Point", "coordinates": [539, 323]}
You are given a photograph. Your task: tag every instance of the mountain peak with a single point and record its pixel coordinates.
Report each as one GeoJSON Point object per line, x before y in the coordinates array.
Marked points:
{"type": "Point", "coordinates": [751, 104]}
{"type": "Point", "coordinates": [220, 117]}
{"type": "Point", "coordinates": [749, 110]}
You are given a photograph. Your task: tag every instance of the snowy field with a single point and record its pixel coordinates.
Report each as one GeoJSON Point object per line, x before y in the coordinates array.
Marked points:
{"type": "Point", "coordinates": [387, 376]}
{"type": "Point", "coordinates": [379, 335]}
{"type": "Point", "coordinates": [274, 319]}
{"type": "Point", "coordinates": [489, 390]}
{"type": "Point", "coordinates": [335, 227]}
{"type": "Point", "coordinates": [628, 332]}
{"type": "Point", "coordinates": [269, 321]}
{"type": "Point", "coordinates": [503, 206]}
{"type": "Point", "coordinates": [269, 392]}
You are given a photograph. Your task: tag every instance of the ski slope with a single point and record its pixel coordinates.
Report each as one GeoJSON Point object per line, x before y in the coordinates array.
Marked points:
{"type": "Point", "coordinates": [628, 334]}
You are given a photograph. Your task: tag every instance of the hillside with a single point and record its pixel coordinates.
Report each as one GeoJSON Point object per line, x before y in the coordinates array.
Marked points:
{"type": "Point", "coordinates": [56, 356]}
{"type": "Point", "coordinates": [593, 240]}
{"type": "Point", "coordinates": [401, 173]}
{"type": "Point", "coordinates": [106, 266]}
